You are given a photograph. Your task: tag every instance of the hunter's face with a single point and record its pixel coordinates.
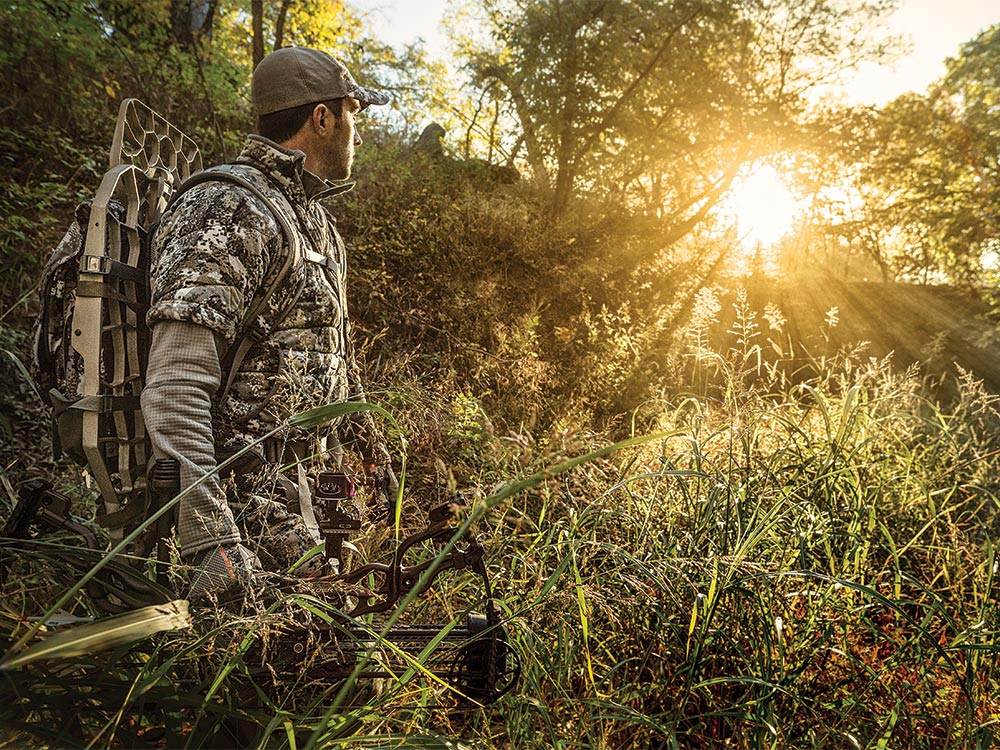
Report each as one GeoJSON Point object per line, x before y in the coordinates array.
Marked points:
{"type": "Point", "coordinates": [342, 142]}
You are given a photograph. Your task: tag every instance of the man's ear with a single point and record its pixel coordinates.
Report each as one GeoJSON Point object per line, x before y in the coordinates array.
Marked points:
{"type": "Point", "coordinates": [322, 118]}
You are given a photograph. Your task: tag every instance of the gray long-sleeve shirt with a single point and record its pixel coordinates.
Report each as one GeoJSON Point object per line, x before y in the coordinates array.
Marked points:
{"type": "Point", "coordinates": [183, 375]}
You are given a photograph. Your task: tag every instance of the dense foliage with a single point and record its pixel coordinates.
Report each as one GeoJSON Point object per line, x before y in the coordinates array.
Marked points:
{"type": "Point", "coordinates": [801, 555]}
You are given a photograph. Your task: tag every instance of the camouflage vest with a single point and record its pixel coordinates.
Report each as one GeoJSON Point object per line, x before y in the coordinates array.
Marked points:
{"type": "Point", "coordinates": [217, 247]}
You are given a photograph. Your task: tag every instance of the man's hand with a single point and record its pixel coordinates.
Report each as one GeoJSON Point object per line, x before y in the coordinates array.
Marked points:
{"type": "Point", "coordinates": [384, 481]}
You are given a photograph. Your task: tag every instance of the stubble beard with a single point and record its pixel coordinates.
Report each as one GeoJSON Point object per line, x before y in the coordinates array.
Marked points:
{"type": "Point", "coordinates": [340, 167]}
{"type": "Point", "coordinates": [341, 160]}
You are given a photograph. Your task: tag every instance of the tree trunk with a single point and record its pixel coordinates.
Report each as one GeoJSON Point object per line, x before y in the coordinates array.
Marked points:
{"type": "Point", "coordinates": [493, 130]}
{"type": "Point", "coordinates": [566, 151]}
{"type": "Point", "coordinates": [257, 21]}
{"type": "Point", "coordinates": [191, 20]}
{"type": "Point", "coordinates": [529, 135]}
{"type": "Point", "coordinates": [279, 25]}
{"type": "Point", "coordinates": [565, 178]}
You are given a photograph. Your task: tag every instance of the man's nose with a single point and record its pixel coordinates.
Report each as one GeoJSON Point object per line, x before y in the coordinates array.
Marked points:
{"type": "Point", "coordinates": [357, 139]}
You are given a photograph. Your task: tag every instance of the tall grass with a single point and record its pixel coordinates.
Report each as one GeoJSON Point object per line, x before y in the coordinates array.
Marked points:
{"type": "Point", "coordinates": [808, 562]}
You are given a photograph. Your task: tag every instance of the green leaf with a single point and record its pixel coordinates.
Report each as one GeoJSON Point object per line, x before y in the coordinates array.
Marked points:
{"type": "Point", "coordinates": [23, 371]}
{"type": "Point", "coordinates": [324, 414]}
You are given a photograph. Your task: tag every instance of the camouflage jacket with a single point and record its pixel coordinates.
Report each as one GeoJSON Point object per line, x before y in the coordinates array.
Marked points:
{"type": "Point", "coordinates": [215, 251]}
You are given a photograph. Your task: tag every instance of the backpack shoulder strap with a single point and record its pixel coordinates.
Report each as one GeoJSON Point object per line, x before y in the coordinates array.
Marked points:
{"type": "Point", "coordinates": [238, 351]}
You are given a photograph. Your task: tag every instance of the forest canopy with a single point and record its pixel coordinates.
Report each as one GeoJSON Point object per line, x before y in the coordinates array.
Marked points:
{"type": "Point", "coordinates": [644, 109]}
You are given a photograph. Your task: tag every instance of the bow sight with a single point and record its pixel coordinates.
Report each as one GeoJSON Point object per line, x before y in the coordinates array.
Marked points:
{"type": "Point", "coordinates": [473, 657]}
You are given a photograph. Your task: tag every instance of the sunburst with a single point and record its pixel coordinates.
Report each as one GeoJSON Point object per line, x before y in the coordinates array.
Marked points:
{"type": "Point", "coordinates": [763, 207]}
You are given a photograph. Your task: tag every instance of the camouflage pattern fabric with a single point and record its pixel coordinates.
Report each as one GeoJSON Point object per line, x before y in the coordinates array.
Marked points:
{"type": "Point", "coordinates": [216, 248]}
{"type": "Point", "coordinates": [212, 254]}
{"type": "Point", "coordinates": [279, 537]}
{"type": "Point", "coordinates": [221, 570]}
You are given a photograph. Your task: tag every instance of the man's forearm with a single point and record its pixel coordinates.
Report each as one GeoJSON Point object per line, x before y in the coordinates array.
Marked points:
{"type": "Point", "coordinates": [183, 374]}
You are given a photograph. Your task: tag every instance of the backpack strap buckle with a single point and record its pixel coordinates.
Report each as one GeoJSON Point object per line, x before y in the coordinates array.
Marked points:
{"type": "Point", "coordinates": [95, 264]}
{"type": "Point", "coordinates": [106, 266]}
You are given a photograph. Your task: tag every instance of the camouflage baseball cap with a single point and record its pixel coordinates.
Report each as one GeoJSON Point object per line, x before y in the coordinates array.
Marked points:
{"type": "Point", "coordinates": [292, 76]}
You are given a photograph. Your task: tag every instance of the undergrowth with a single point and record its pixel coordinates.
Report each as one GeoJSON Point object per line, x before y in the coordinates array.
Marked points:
{"type": "Point", "coordinates": [804, 559]}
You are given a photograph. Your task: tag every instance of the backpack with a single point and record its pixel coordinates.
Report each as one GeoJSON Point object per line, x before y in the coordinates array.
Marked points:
{"type": "Point", "coordinates": [91, 341]}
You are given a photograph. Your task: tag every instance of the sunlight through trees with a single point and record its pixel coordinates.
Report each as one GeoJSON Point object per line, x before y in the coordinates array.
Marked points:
{"type": "Point", "coordinates": [596, 220]}
{"type": "Point", "coordinates": [762, 206]}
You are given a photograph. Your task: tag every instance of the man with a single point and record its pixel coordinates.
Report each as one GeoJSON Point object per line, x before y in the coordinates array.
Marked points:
{"type": "Point", "coordinates": [216, 250]}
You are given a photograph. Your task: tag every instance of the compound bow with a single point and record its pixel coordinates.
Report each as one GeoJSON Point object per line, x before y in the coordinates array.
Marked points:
{"type": "Point", "coordinates": [474, 658]}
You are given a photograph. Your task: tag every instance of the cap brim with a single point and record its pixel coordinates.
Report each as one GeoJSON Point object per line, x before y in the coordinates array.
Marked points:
{"type": "Point", "coordinates": [367, 97]}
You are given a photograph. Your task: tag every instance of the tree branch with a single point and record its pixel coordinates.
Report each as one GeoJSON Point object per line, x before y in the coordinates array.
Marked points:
{"type": "Point", "coordinates": [651, 66]}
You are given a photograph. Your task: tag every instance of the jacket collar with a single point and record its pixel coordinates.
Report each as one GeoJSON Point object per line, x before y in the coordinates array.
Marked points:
{"type": "Point", "coordinates": [317, 188]}
{"type": "Point", "coordinates": [286, 167]}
